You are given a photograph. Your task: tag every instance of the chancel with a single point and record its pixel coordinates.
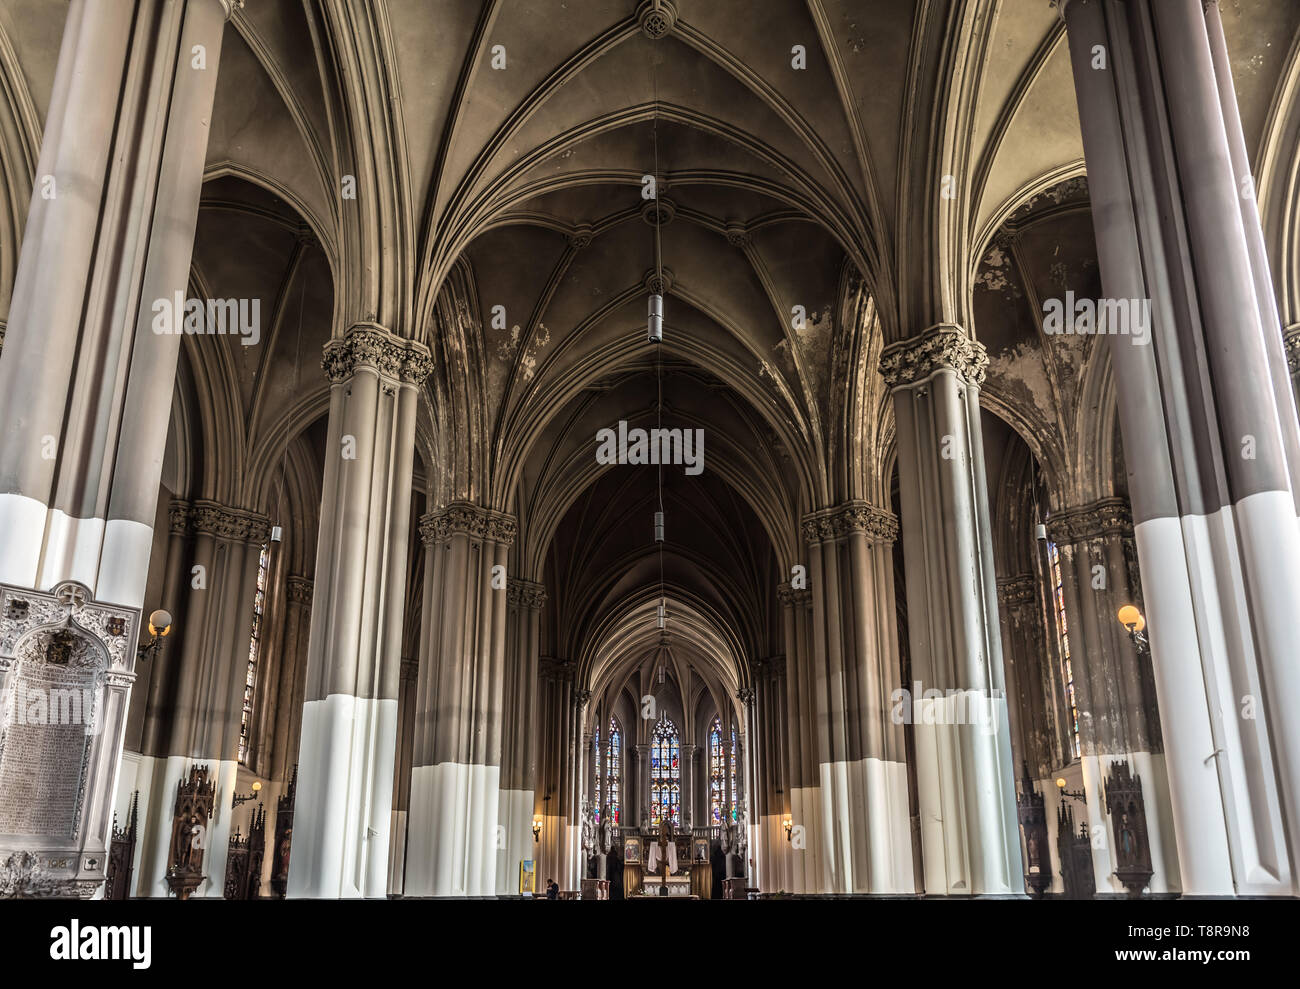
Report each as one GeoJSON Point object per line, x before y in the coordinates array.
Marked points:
{"type": "Point", "coordinates": [372, 348]}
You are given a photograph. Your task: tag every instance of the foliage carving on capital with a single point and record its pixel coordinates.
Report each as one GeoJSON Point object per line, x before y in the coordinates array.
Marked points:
{"type": "Point", "coordinates": [1107, 516]}
{"type": "Point", "coordinates": [787, 595]}
{"type": "Point", "coordinates": [462, 518]}
{"type": "Point", "coordinates": [832, 524]}
{"type": "Point", "coordinates": [1291, 341]}
{"type": "Point", "coordinates": [943, 348]}
{"type": "Point", "coordinates": [554, 670]}
{"type": "Point", "coordinates": [180, 516]}
{"type": "Point", "coordinates": [525, 593]}
{"type": "Point", "coordinates": [1018, 590]}
{"type": "Point", "coordinates": [299, 589]}
{"type": "Point", "coordinates": [220, 522]}
{"type": "Point", "coordinates": [370, 345]}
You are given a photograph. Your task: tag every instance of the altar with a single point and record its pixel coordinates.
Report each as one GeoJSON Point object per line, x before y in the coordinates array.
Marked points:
{"type": "Point", "coordinates": [690, 873]}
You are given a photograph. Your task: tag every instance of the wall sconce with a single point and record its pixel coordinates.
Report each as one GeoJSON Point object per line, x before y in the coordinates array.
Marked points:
{"type": "Point", "coordinates": [537, 828]}
{"type": "Point", "coordinates": [788, 824]}
{"type": "Point", "coordinates": [237, 799]}
{"type": "Point", "coordinates": [160, 623]}
{"type": "Point", "coordinates": [1134, 623]}
{"type": "Point", "coordinates": [1078, 795]}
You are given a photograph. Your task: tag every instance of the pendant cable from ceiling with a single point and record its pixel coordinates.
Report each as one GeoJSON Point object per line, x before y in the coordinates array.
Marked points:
{"type": "Point", "coordinates": [656, 337]}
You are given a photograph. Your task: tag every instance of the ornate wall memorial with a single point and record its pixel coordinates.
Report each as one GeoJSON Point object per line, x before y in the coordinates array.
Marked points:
{"type": "Point", "coordinates": [66, 668]}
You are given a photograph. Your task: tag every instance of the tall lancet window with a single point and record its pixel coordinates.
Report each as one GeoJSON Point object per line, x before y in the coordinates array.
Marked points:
{"type": "Point", "coordinates": [1063, 636]}
{"type": "Point", "coordinates": [613, 764]}
{"type": "Point", "coordinates": [734, 759]}
{"type": "Point", "coordinates": [665, 774]}
{"type": "Point", "coordinates": [717, 773]}
{"type": "Point", "coordinates": [254, 648]}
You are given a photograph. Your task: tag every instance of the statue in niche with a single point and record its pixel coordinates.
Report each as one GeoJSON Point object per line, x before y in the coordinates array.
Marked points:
{"type": "Point", "coordinates": [606, 831]}
{"type": "Point", "coordinates": [588, 829]}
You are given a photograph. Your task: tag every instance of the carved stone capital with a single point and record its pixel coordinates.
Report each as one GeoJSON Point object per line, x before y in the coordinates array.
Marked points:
{"type": "Point", "coordinates": [370, 345]}
{"type": "Point", "coordinates": [554, 670]}
{"type": "Point", "coordinates": [831, 524]}
{"type": "Point", "coordinates": [745, 695]}
{"type": "Point", "coordinates": [180, 516]}
{"type": "Point", "coordinates": [221, 522]}
{"type": "Point", "coordinates": [1105, 517]}
{"type": "Point", "coordinates": [787, 595]}
{"type": "Point", "coordinates": [462, 518]}
{"type": "Point", "coordinates": [230, 6]}
{"type": "Point", "coordinates": [942, 348]}
{"type": "Point", "coordinates": [1017, 590]}
{"type": "Point", "coordinates": [299, 589]}
{"type": "Point", "coordinates": [525, 593]}
{"type": "Point", "coordinates": [1291, 342]}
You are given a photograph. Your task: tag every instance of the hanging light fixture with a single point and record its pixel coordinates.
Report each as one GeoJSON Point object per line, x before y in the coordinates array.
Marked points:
{"type": "Point", "coordinates": [656, 318]}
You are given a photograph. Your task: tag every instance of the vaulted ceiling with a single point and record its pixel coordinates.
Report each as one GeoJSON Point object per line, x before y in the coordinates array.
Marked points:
{"type": "Point", "coordinates": [831, 174]}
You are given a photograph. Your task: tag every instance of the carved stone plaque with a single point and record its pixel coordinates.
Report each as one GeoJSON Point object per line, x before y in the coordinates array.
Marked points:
{"type": "Point", "coordinates": [66, 667]}
{"type": "Point", "coordinates": [48, 721]}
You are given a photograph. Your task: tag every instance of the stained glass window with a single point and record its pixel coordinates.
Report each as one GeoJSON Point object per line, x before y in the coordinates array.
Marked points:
{"type": "Point", "coordinates": [254, 646]}
{"type": "Point", "coordinates": [717, 773]}
{"type": "Point", "coordinates": [665, 774]}
{"type": "Point", "coordinates": [734, 813]}
{"type": "Point", "coordinates": [1063, 635]}
{"type": "Point", "coordinates": [613, 764]}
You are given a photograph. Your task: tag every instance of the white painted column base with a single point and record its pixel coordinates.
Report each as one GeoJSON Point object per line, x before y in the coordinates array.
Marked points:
{"type": "Point", "coordinates": [969, 831]}
{"type": "Point", "coordinates": [344, 798]}
{"type": "Point", "coordinates": [452, 830]}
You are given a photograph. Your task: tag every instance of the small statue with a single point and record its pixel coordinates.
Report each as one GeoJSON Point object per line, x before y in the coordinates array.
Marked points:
{"type": "Point", "coordinates": [588, 829]}
{"type": "Point", "coordinates": [606, 831]}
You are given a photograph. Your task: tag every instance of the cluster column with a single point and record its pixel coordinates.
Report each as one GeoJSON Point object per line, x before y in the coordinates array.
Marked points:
{"type": "Point", "coordinates": [197, 688]}
{"type": "Point", "coordinates": [802, 798]}
{"type": "Point", "coordinates": [343, 820]}
{"type": "Point", "coordinates": [454, 841]}
{"type": "Point", "coordinates": [966, 790]}
{"type": "Point", "coordinates": [1037, 710]}
{"type": "Point", "coordinates": [85, 384]}
{"type": "Point", "coordinates": [525, 599]}
{"type": "Point", "coordinates": [1114, 684]}
{"type": "Point", "coordinates": [861, 769]}
{"type": "Point", "coordinates": [1208, 430]}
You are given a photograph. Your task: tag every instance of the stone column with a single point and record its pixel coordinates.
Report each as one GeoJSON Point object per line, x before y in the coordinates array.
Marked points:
{"type": "Point", "coordinates": [970, 834]}
{"type": "Point", "coordinates": [862, 774]}
{"type": "Point", "coordinates": [85, 383]}
{"type": "Point", "coordinates": [402, 775]}
{"type": "Point", "coordinates": [1032, 696]}
{"type": "Point", "coordinates": [455, 841]}
{"type": "Point", "coordinates": [554, 683]}
{"type": "Point", "coordinates": [525, 599]}
{"type": "Point", "coordinates": [293, 676]}
{"type": "Point", "coordinates": [349, 725]}
{"type": "Point", "coordinates": [1114, 684]}
{"type": "Point", "coordinates": [197, 714]}
{"type": "Point", "coordinates": [803, 798]}
{"type": "Point", "coordinates": [1210, 483]}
